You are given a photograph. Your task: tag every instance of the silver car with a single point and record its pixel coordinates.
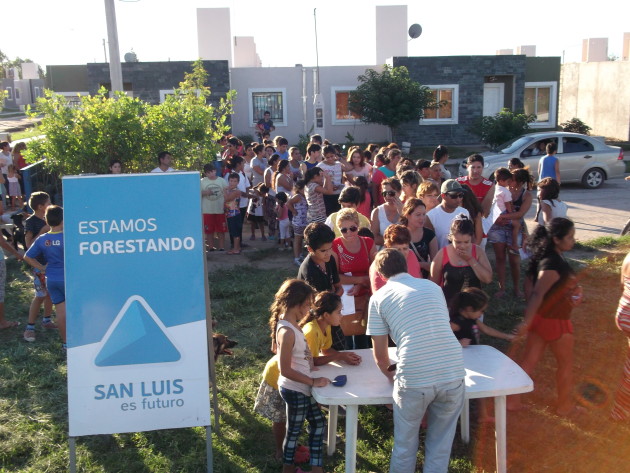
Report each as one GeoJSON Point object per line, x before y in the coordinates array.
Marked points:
{"type": "Point", "coordinates": [582, 158]}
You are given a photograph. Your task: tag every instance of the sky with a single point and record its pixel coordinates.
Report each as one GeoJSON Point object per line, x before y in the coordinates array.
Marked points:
{"type": "Point", "coordinates": [72, 31]}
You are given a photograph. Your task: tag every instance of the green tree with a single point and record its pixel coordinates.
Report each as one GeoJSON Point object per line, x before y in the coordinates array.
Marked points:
{"type": "Point", "coordinates": [502, 127]}
{"type": "Point", "coordinates": [186, 124]}
{"type": "Point", "coordinates": [6, 62]}
{"type": "Point", "coordinates": [390, 98]}
{"type": "Point", "coordinates": [85, 138]}
{"type": "Point", "coordinates": [575, 125]}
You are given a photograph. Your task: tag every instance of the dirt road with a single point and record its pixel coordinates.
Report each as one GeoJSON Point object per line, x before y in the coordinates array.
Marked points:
{"type": "Point", "coordinates": [596, 213]}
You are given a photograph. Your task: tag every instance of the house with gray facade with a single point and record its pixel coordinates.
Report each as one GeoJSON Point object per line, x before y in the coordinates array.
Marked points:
{"type": "Point", "coordinates": [475, 86]}
{"type": "Point", "coordinates": [469, 86]}
{"type": "Point", "coordinates": [148, 81]}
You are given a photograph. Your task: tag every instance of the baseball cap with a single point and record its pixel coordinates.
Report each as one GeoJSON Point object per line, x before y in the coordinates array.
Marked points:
{"type": "Point", "coordinates": [450, 185]}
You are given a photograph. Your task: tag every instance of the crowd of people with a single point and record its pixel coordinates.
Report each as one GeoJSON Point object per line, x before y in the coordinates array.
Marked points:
{"type": "Point", "coordinates": [393, 232]}
{"type": "Point", "coordinates": [334, 209]}
{"type": "Point", "coordinates": [400, 236]}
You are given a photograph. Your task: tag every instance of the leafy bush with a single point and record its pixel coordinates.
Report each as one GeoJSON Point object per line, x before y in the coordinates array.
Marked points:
{"type": "Point", "coordinates": [304, 140]}
{"type": "Point", "coordinates": [86, 138]}
{"type": "Point", "coordinates": [247, 139]}
{"type": "Point", "coordinates": [501, 127]}
{"type": "Point", "coordinates": [575, 125]}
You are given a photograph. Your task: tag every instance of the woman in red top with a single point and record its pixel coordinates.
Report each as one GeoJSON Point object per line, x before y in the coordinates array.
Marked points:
{"type": "Point", "coordinates": [480, 186]}
{"type": "Point", "coordinates": [353, 255]}
{"type": "Point", "coordinates": [18, 160]}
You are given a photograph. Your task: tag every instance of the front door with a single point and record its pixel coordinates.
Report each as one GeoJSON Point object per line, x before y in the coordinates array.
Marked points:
{"type": "Point", "coordinates": [493, 94]}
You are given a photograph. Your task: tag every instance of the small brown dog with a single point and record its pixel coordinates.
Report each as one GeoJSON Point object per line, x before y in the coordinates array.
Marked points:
{"type": "Point", "coordinates": [222, 345]}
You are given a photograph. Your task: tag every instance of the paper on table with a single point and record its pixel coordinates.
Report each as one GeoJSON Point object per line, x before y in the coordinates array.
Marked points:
{"type": "Point", "coordinates": [347, 302]}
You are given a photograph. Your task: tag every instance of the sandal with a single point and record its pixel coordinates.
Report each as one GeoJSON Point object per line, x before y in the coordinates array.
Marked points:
{"type": "Point", "coordinates": [234, 252]}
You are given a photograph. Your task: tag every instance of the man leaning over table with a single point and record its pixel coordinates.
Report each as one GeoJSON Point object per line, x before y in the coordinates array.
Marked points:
{"type": "Point", "coordinates": [429, 375]}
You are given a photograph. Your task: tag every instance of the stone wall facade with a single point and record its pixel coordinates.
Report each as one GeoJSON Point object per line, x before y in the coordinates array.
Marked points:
{"type": "Point", "coordinates": [470, 73]}
{"type": "Point", "coordinates": [146, 79]}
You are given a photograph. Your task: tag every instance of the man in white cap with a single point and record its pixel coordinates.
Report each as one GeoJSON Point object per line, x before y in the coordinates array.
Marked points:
{"type": "Point", "coordinates": [441, 217]}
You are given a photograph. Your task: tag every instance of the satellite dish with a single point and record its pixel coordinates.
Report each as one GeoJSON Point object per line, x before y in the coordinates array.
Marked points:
{"type": "Point", "coordinates": [131, 57]}
{"type": "Point", "coordinates": [415, 30]}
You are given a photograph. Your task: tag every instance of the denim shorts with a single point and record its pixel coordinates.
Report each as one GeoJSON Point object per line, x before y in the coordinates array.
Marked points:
{"type": "Point", "coordinates": [502, 234]}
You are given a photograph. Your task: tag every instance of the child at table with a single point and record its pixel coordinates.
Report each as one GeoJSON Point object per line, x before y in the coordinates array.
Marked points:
{"type": "Point", "coordinates": [465, 314]}
{"type": "Point", "coordinates": [316, 328]}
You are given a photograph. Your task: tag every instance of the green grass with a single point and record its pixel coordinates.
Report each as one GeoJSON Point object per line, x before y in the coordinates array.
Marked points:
{"type": "Point", "coordinates": [28, 133]}
{"type": "Point", "coordinates": [603, 243]}
{"type": "Point", "coordinates": [33, 413]}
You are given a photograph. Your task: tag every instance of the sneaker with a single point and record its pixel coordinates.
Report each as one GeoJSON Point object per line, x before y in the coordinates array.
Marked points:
{"type": "Point", "coordinates": [29, 335]}
{"type": "Point", "coordinates": [49, 325]}
{"type": "Point", "coordinates": [272, 237]}
{"type": "Point", "coordinates": [297, 262]}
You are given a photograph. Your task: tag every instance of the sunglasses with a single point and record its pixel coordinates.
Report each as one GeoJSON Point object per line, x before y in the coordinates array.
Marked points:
{"type": "Point", "coordinates": [456, 195]}
{"type": "Point", "coordinates": [389, 193]}
{"type": "Point", "coordinates": [352, 229]}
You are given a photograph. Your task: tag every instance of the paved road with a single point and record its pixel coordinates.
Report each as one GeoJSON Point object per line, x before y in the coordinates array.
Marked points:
{"type": "Point", "coordinates": [596, 213]}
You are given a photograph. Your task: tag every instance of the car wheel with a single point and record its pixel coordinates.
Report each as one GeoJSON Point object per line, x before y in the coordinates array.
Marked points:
{"type": "Point", "coordinates": [593, 178]}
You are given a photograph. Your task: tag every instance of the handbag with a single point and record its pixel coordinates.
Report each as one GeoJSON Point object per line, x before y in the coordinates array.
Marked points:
{"type": "Point", "coordinates": [356, 324]}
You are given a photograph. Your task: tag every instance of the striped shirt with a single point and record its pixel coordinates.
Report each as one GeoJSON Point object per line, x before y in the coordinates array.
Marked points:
{"type": "Point", "coordinates": [413, 312]}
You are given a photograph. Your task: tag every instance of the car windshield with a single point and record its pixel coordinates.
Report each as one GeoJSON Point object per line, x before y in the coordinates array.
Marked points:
{"type": "Point", "coordinates": [513, 145]}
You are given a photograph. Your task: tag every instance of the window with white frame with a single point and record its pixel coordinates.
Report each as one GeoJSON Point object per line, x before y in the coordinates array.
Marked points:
{"type": "Point", "coordinates": [540, 100]}
{"type": "Point", "coordinates": [9, 93]}
{"type": "Point", "coordinates": [268, 100]}
{"type": "Point", "coordinates": [164, 93]}
{"type": "Point", "coordinates": [340, 103]}
{"type": "Point", "coordinates": [17, 93]}
{"type": "Point", "coordinates": [447, 114]}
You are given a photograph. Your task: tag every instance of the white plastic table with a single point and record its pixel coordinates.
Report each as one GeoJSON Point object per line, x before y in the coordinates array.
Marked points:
{"type": "Point", "coordinates": [489, 373]}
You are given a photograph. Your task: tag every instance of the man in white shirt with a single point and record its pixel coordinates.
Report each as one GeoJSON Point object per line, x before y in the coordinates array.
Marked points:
{"type": "Point", "coordinates": [429, 374]}
{"type": "Point", "coordinates": [165, 160]}
{"type": "Point", "coordinates": [441, 217]}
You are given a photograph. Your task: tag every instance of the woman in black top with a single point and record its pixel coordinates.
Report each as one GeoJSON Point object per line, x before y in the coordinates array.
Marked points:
{"type": "Point", "coordinates": [548, 312]}
{"type": "Point", "coordinates": [461, 264]}
{"type": "Point", "coordinates": [423, 242]}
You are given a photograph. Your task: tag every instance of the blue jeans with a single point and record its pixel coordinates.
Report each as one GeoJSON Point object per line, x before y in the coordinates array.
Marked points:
{"type": "Point", "coordinates": [443, 403]}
